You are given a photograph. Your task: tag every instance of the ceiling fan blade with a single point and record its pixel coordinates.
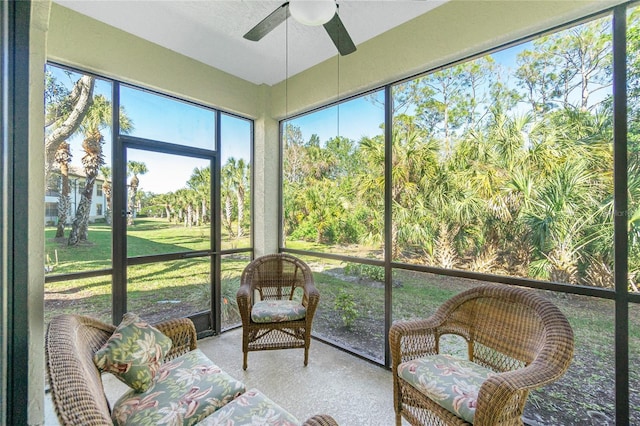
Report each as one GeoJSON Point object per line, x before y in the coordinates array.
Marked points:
{"type": "Point", "coordinates": [269, 23]}
{"type": "Point", "coordinates": [339, 35]}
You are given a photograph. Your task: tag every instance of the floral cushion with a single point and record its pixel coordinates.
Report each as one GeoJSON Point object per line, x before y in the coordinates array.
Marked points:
{"type": "Point", "coordinates": [252, 408]}
{"type": "Point", "coordinates": [277, 311]}
{"type": "Point", "coordinates": [453, 383]}
{"type": "Point", "coordinates": [185, 390]}
{"type": "Point", "coordinates": [133, 353]}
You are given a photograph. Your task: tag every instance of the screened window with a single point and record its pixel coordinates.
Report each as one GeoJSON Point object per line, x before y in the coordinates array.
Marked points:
{"type": "Point", "coordinates": [154, 206]}
{"type": "Point", "coordinates": [166, 119]}
{"type": "Point", "coordinates": [504, 164]}
{"type": "Point", "coordinates": [333, 178]}
{"type": "Point", "coordinates": [76, 167]}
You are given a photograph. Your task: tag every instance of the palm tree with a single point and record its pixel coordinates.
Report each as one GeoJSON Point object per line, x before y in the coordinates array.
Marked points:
{"type": "Point", "coordinates": [226, 192]}
{"type": "Point", "coordinates": [168, 200]}
{"type": "Point", "coordinates": [180, 205]}
{"type": "Point", "coordinates": [91, 161]}
{"type": "Point", "coordinates": [135, 168]}
{"type": "Point", "coordinates": [200, 183]}
{"type": "Point", "coordinates": [190, 199]}
{"type": "Point", "coordinates": [97, 118]}
{"type": "Point", "coordinates": [239, 181]}
{"type": "Point", "coordinates": [558, 220]}
{"type": "Point", "coordinates": [106, 188]}
{"type": "Point", "coordinates": [63, 158]}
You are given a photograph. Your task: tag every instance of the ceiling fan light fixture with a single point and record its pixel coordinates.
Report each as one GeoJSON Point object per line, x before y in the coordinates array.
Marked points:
{"type": "Point", "coordinates": [312, 12]}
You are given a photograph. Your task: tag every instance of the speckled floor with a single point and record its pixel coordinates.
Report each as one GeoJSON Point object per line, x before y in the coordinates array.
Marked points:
{"type": "Point", "coordinates": [353, 391]}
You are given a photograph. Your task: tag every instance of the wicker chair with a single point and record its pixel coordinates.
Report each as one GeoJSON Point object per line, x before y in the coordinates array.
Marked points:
{"type": "Point", "coordinates": [76, 384]}
{"type": "Point", "coordinates": [276, 277]}
{"type": "Point", "coordinates": [520, 336]}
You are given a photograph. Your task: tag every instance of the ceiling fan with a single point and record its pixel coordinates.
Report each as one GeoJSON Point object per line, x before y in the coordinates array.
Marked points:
{"type": "Point", "coordinates": [324, 12]}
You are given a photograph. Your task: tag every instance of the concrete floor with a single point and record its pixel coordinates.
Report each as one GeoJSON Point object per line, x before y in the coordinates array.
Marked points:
{"type": "Point", "coordinates": [353, 391]}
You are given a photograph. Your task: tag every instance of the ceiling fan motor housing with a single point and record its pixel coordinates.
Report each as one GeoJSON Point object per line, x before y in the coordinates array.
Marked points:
{"type": "Point", "coordinates": [312, 12]}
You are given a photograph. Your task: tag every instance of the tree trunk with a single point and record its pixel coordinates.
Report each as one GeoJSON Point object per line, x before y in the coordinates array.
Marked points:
{"type": "Point", "coordinates": [132, 206]}
{"type": "Point", "coordinates": [80, 228]}
{"type": "Point", "coordinates": [106, 188]}
{"type": "Point", "coordinates": [189, 218]}
{"type": "Point", "coordinates": [227, 215]}
{"type": "Point", "coordinates": [63, 207]}
{"type": "Point", "coordinates": [64, 201]}
{"type": "Point", "coordinates": [240, 195]}
{"type": "Point", "coordinates": [92, 161]}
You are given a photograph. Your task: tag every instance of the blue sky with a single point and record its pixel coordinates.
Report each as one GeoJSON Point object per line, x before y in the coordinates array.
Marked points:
{"type": "Point", "coordinates": [358, 117]}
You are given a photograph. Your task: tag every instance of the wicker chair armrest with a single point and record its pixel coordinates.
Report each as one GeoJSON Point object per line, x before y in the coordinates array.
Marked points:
{"type": "Point", "coordinates": [501, 397]}
{"type": "Point", "coordinates": [311, 296]}
{"type": "Point", "coordinates": [412, 339]}
{"type": "Point", "coordinates": [505, 392]}
{"type": "Point", "coordinates": [243, 298]}
{"type": "Point", "coordinates": [182, 333]}
{"type": "Point", "coordinates": [320, 420]}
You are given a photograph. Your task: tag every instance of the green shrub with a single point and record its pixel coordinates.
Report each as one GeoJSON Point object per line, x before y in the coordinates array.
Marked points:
{"type": "Point", "coordinates": [362, 270]}
{"type": "Point", "coordinates": [345, 304]}
{"type": "Point", "coordinates": [306, 231]}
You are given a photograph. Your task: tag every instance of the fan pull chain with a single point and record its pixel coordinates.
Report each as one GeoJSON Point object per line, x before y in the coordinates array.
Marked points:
{"type": "Point", "coordinates": [286, 72]}
{"type": "Point", "coordinates": [338, 77]}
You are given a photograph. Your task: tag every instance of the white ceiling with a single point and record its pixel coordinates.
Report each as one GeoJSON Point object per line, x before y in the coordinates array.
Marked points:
{"type": "Point", "coordinates": [211, 31]}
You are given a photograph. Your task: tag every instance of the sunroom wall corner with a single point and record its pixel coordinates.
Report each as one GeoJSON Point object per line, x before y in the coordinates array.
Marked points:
{"type": "Point", "coordinates": [35, 189]}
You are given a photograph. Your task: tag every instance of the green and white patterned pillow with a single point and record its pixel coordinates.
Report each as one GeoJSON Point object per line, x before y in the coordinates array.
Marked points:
{"type": "Point", "coordinates": [133, 353]}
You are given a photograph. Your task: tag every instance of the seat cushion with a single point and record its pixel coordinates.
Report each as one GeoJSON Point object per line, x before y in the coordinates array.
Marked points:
{"type": "Point", "coordinates": [252, 408]}
{"type": "Point", "coordinates": [266, 311]}
{"type": "Point", "coordinates": [451, 382]}
{"type": "Point", "coordinates": [184, 391]}
{"type": "Point", "coordinates": [133, 353]}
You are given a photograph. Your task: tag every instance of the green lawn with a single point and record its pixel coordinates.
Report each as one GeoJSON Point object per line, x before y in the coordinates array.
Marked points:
{"type": "Point", "coordinates": [181, 286]}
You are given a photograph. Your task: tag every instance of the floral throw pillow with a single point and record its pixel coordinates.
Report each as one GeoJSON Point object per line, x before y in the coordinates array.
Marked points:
{"type": "Point", "coordinates": [133, 353]}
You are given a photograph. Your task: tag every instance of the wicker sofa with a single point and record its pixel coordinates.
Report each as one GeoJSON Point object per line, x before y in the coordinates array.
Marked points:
{"type": "Point", "coordinates": [79, 398]}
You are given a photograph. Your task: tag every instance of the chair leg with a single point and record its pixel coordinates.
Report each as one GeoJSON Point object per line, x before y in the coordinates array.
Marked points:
{"type": "Point", "coordinates": [398, 419]}
{"type": "Point", "coordinates": [244, 360]}
{"type": "Point", "coordinates": [306, 355]}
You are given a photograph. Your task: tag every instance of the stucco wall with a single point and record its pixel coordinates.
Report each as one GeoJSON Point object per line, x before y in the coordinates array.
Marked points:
{"type": "Point", "coordinates": [37, 58]}
{"type": "Point", "coordinates": [80, 41]}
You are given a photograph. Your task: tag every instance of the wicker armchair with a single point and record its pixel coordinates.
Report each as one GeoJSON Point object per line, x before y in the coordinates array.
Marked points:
{"type": "Point", "coordinates": [276, 277]}
{"type": "Point", "coordinates": [522, 337]}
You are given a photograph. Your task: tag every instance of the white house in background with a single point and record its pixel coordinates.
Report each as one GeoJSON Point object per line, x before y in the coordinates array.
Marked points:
{"type": "Point", "coordinates": [77, 178]}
